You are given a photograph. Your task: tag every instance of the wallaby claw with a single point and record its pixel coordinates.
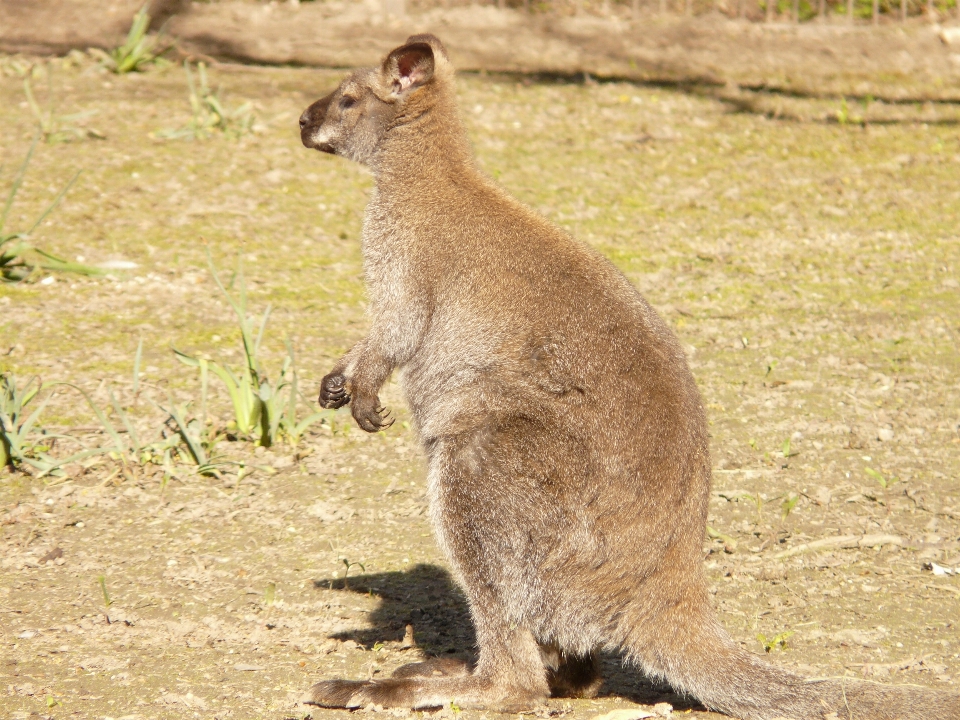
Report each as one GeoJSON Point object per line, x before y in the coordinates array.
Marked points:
{"type": "Point", "coordinates": [333, 391]}
{"type": "Point", "coordinates": [372, 417]}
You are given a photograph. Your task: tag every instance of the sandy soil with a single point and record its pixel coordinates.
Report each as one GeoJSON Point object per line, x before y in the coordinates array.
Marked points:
{"type": "Point", "coordinates": [809, 268]}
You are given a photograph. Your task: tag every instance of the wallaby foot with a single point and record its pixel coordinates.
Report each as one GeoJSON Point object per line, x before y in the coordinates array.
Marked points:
{"type": "Point", "coordinates": [333, 391]}
{"type": "Point", "coordinates": [419, 693]}
{"type": "Point", "coordinates": [509, 676]}
{"type": "Point", "coordinates": [434, 667]}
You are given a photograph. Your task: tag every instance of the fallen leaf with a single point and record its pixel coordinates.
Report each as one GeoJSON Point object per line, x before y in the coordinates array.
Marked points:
{"type": "Point", "coordinates": [52, 555]}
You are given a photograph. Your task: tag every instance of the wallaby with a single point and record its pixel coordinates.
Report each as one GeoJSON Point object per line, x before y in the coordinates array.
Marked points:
{"type": "Point", "coordinates": [567, 447]}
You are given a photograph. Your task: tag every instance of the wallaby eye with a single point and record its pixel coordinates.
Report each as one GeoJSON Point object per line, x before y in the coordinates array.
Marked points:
{"type": "Point", "coordinates": [347, 102]}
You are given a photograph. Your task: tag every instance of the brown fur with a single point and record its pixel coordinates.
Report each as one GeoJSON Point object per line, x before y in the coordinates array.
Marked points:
{"type": "Point", "coordinates": [568, 451]}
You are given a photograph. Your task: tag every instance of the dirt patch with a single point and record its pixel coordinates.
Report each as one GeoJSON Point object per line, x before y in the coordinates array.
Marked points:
{"type": "Point", "coordinates": [809, 269]}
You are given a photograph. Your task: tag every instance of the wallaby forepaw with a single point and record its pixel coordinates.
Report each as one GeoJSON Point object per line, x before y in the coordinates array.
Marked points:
{"type": "Point", "coordinates": [370, 415]}
{"type": "Point", "coordinates": [333, 391]}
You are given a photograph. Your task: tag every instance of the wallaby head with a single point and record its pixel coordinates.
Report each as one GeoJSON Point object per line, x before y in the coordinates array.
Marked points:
{"type": "Point", "coordinates": [353, 120]}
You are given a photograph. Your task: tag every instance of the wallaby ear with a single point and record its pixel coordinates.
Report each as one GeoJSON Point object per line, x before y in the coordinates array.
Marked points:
{"type": "Point", "coordinates": [409, 66]}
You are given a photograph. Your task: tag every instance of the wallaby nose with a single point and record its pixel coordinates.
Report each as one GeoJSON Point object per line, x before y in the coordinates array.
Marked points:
{"type": "Point", "coordinates": [303, 121]}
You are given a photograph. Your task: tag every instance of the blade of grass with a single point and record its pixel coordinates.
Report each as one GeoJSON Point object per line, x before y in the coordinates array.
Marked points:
{"type": "Point", "coordinates": [263, 326]}
{"type": "Point", "coordinates": [125, 419]}
{"type": "Point", "coordinates": [136, 368]}
{"type": "Point", "coordinates": [102, 581]}
{"type": "Point", "coordinates": [42, 123]}
{"type": "Point", "coordinates": [302, 426]}
{"type": "Point", "coordinates": [28, 424]}
{"type": "Point", "coordinates": [50, 209]}
{"type": "Point", "coordinates": [216, 278]}
{"type": "Point", "coordinates": [27, 394]}
{"type": "Point", "coordinates": [120, 445]}
{"type": "Point", "coordinates": [195, 448]}
{"type": "Point", "coordinates": [204, 382]}
{"type": "Point", "coordinates": [73, 458]}
{"type": "Point", "coordinates": [62, 265]}
{"type": "Point", "coordinates": [184, 358]}
{"type": "Point", "coordinates": [17, 182]}
{"type": "Point", "coordinates": [292, 403]}
{"type": "Point", "coordinates": [43, 467]}
{"type": "Point", "coordinates": [246, 404]}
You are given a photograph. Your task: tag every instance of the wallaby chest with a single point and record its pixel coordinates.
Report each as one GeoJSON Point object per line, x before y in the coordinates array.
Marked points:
{"type": "Point", "coordinates": [398, 289]}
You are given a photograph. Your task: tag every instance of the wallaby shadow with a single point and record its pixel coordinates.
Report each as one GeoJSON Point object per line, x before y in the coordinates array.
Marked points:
{"type": "Point", "coordinates": [426, 597]}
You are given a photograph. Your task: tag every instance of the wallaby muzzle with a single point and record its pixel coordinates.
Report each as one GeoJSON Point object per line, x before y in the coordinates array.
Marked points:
{"type": "Point", "coordinates": [310, 122]}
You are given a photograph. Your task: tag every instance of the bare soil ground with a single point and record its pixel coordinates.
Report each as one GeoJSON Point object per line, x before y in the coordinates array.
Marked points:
{"type": "Point", "coordinates": [811, 270]}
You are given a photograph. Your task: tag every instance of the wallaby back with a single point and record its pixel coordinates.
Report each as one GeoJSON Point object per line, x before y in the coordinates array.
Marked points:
{"type": "Point", "coordinates": [569, 468]}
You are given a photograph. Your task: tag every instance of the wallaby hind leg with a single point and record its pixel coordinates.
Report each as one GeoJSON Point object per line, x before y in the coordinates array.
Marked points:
{"type": "Point", "coordinates": [510, 672]}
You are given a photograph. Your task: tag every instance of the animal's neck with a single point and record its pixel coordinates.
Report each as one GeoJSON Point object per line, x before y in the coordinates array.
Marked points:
{"type": "Point", "coordinates": [419, 156]}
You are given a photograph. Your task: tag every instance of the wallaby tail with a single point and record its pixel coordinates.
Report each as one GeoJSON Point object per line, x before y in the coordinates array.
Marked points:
{"type": "Point", "coordinates": [704, 661]}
